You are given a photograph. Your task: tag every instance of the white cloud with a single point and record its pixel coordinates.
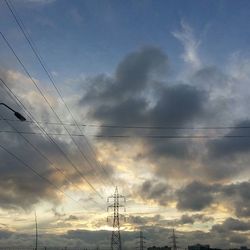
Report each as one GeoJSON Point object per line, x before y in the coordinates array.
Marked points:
{"type": "Point", "coordinates": [186, 37]}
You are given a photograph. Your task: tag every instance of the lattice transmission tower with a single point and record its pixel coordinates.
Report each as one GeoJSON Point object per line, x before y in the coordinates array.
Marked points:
{"type": "Point", "coordinates": [141, 241]}
{"type": "Point", "coordinates": [116, 199]}
{"type": "Point", "coordinates": [174, 240]}
{"type": "Point", "coordinates": [36, 231]}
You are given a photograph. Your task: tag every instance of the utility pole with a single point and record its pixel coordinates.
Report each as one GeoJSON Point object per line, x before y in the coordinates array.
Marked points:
{"type": "Point", "coordinates": [141, 241]}
{"type": "Point", "coordinates": [116, 236]}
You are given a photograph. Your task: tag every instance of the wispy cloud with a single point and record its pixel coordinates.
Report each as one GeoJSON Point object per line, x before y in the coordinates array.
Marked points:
{"type": "Point", "coordinates": [190, 43]}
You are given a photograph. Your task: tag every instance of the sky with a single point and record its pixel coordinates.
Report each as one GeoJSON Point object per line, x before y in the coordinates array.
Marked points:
{"type": "Point", "coordinates": [149, 96]}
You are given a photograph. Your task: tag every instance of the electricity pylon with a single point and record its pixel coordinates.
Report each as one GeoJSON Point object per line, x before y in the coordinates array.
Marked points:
{"type": "Point", "coordinates": [36, 231]}
{"type": "Point", "coordinates": [174, 241]}
{"type": "Point", "coordinates": [141, 241]}
{"type": "Point", "coordinates": [116, 236]}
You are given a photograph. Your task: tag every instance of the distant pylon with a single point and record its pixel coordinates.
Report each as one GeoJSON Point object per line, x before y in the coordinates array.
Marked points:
{"type": "Point", "coordinates": [141, 241]}
{"type": "Point", "coordinates": [174, 241]}
{"type": "Point", "coordinates": [116, 236]}
{"type": "Point", "coordinates": [36, 231]}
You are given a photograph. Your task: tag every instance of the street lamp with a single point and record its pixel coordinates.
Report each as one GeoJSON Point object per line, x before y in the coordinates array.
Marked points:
{"type": "Point", "coordinates": [18, 115]}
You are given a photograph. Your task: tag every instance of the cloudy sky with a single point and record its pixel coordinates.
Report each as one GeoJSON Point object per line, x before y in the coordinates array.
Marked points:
{"type": "Point", "coordinates": [150, 96]}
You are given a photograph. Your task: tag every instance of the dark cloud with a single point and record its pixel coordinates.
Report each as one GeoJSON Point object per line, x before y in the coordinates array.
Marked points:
{"type": "Point", "coordinates": [186, 219]}
{"type": "Point", "coordinates": [57, 213]}
{"type": "Point", "coordinates": [133, 96]}
{"type": "Point", "coordinates": [178, 104]}
{"type": "Point", "coordinates": [238, 239]}
{"type": "Point", "coordinates": [154, 236]}
{"type": "Point", "coordinates": [133, 110]}
{"type": "Point", "coordinates": [145, 220]}
{"type": "Point", "coordinates": [231, 224]}
{"type": "Point", "coordinates": [239, 197]}
{"type": "Point", "coordinates": [72, 218]}
{"type": "Point", "coordinates": [227, 157]}
{"type": "Point", "coordinates": [4, 234]}
{"type": "Point", "coordinates": [216, 239]}
{"type": "Point", "coordinates": [225, 147]}
{"type": "Point", "coordinates": [210, 77]}
{"type": "Point", "coordinates": [166, 148]}
{"type": "Point", "coordinates": [19, 186]}
{"type": "Point", "coordinates": [198, 196]}
{"type": "Point", "coordinates": [135, 71]}
{"type": "Point", "coordinates": [221, 101]}
{"type": "Point", "coordinates": [155, 191]}
{"type": "Point", "coordinates": [217, 170]}
{"type": "Point", "coordinates": [88, 236]}
{"type": "Point", "coordinates": [195, 196]}
{"type": "Point", "coordinates": [200, 100]}
{"type": "Point", "coordinates": [158, 220]}
{"type": "Point", "coordinates": [132, 75]}
{"type": "Point", "coordinates": [191, 219]}
{"type": "Point", "coordinates": [139, 220]}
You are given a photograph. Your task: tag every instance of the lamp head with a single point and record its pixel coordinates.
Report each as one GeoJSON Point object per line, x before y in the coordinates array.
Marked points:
{"type": "Point", "coordinates": [20, 117]}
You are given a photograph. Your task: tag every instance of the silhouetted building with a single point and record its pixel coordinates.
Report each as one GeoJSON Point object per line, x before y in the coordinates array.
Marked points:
{"type": "Point", "coordinates": [241, 248]}
{"type": "Point", "coordinates": [159, 248]}
{"type": "Point", "coordinates": [199, 247]}
{"type": "Point", "coordinates": [244, 248]}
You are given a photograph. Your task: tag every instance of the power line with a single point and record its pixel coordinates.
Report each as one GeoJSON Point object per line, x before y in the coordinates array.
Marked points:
{"type": "Point", "coordinates": [44, 97]}
{"type": "Point", "coordinates": [46, 100]}
{"type": "Point", "coordinates": [137, 127]}
{"type": "Point", "coordinates": [140, 136]}
{"type": "Point", "coordinates": [43, 155]}
{"type": "Point", "coordinates": [44, 122]}
{"type": "Point", "coordinates": [51, 139]}
{"type": "Point", "coordinates": [37, 149]}
{"type": "Point", "coordinates": [171, 136]}
{"type": "Point", "coordinates": [35, 172]}
{"type": "Point", "coordinates": [41, 61]}
{"type": "Point", "coordinates": [164, 127]}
